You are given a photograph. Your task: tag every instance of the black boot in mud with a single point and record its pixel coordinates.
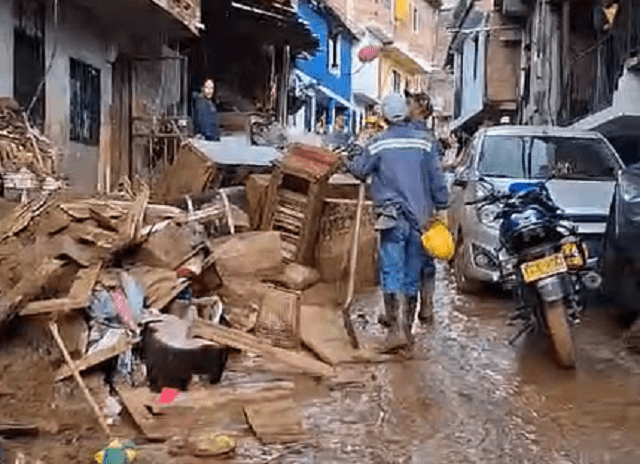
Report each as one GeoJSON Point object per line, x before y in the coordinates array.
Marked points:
{"type": "Point", "coordinates": [395, 340]}
{"type": "Point", "coordinates": [427, 289]}
{"type": "Point", "coordinates": [409, 317]}
{"type": "Point", "coordinates": [390, 315]}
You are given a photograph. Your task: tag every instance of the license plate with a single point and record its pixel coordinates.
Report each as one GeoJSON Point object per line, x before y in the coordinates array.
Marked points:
{"type": "Point", "coordinates": [545, 267]}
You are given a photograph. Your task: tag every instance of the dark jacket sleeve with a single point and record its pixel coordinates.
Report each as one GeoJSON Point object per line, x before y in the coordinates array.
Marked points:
{"type": "Point", "coordinates": [438, 190]}
{"type": "Point", "coordinates": [206, 120]}
{"type": "Point", "coordinates": [363, 164]}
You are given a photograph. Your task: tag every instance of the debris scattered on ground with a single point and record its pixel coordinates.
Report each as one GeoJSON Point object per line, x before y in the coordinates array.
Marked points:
{"type": "Point", "coordinates": [152, 289]}
{"type": "Point", "coordinates": [22, 146]}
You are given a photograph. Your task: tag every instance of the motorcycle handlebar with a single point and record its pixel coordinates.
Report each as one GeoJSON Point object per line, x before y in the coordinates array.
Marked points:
{"type": "Point", "coordinates": [492, 198]}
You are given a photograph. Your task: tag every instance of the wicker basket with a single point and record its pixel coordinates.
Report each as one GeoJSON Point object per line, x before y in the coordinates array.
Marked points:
{"type": "Point", "coordinates": [279, 318]}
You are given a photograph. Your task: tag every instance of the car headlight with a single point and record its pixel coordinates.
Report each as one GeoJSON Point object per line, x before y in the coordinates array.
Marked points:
{"type": "Point", "coordinates": [630, 188]}
{"type": "Point", "coordinates": [487, 215]}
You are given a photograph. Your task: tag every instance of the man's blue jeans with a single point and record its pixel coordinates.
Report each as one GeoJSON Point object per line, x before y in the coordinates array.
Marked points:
{"type": "Point", "coordinates": [402, 259]}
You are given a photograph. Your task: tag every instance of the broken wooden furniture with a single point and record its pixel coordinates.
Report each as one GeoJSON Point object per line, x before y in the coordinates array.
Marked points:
{"type": "Point", "coordinates": [279, 318]}
{"type": "Point", "coordinates": [295, 199]}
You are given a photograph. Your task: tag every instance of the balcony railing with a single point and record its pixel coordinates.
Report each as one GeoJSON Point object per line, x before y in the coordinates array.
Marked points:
{"type": "Point", "coordinates": [594, 74]}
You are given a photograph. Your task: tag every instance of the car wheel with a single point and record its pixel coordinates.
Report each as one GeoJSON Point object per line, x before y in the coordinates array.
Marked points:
{"type": "Point", "coordinates": [464, 283]}
{"type": "Point", "coordinates": [627, 306]}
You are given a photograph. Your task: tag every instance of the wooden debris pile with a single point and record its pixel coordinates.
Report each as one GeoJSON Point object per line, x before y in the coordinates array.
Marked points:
{"type": "Point", "coordinates": [22, 146]}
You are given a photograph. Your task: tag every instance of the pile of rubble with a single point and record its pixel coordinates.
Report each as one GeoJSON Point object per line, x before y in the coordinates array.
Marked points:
{"type": "Point", "coordinates": [27, 159]}
{"type": "Point", "coordinates": [145, 295]}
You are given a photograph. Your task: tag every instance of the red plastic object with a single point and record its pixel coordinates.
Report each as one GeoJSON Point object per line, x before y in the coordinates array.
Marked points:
{"type": "Point", "coordinates": [168, 395]}
{"type": "Point", "coordinates": [367, 54]}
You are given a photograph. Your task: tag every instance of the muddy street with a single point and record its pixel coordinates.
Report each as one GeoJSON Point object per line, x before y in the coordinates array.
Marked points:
{"type": "Point", "coordinates": [469, 397]}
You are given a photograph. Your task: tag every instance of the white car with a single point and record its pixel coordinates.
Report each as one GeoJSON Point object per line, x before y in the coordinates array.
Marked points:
{"type": "Point", "coordinates": [581, 169]}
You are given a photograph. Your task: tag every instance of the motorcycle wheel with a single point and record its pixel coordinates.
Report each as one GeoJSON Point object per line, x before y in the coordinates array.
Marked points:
{"type": "Point", "coordinates": [560, 333]}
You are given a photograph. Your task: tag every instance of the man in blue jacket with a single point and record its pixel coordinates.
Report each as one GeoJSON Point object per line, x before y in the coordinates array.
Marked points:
{"type": "Point", "coordinates": [205, 117]}
{"type": "Point", "coordinates": [408, 189]}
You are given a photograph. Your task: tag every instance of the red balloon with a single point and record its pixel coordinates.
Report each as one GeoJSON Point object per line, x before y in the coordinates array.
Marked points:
{"type": "Point", "coordinates": [367, 54]}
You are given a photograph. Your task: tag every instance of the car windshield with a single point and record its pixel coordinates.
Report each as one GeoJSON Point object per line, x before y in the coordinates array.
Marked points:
{"type": "Point", "coordinates": [542, 157]}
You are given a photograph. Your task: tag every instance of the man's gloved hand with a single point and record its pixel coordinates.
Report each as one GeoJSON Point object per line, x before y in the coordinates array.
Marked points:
{"type": "Point", "coordinates": [438, 216]}
{"type": "Point", "coordinates": [442, 216]}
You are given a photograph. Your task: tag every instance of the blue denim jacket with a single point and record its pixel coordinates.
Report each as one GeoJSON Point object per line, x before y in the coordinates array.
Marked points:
{"type": "Point", "coordinates": [403, 163]}
{"type": "Point", "coordinates": [205, 119]}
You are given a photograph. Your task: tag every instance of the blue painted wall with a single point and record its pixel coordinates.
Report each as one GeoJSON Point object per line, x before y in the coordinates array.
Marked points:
{"type": "Point", "coordinates": [317, 67]}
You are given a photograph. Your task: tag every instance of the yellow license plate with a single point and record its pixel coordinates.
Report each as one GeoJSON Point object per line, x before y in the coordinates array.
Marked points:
{"type": "Point", "coordinates": [545, 267]}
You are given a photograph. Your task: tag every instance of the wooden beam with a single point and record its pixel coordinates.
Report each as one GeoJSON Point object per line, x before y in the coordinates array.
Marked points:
{"type": "Point", "coordinates": [53, 327]}
{"type": "Point", "coordinates": [96, 358]}
{"type": "Point", "coordinates": [246, 342]}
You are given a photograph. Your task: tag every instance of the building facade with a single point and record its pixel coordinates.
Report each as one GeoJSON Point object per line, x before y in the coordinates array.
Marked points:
{"type": "Point", "coordinates": [323, 80]}
{"type": "Point", "coordinates": [484, 56]}
{"type": "Point", "coordinates": [60, 60]}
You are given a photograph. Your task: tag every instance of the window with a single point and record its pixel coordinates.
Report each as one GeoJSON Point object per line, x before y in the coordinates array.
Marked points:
{"type": "Point", "coordinates": [407, 84]}
{"type": "Point", "coordinates": [334, 53]}
{"type": "Point", "coordinates": [85, 103]}
{"type": "Point", "coordinates": [397, 82]}
{"type": "Point", "coordinates": [416, 20]}
{"type": "Point", "coordinates": [542, 157]}
{"type": "Point", "coordinates": [29, 60]}
{"type": "Point", "coordinates": [476, 43]}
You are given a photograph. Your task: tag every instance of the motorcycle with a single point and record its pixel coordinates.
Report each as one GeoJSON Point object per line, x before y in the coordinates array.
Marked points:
{"type": "Point", "coordinates": [543, 262]}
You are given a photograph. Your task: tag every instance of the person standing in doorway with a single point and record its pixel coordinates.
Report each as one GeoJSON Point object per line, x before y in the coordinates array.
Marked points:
{"type": "Point", "coordinates": [205, 117]}
{"type": "Point", "coordinates": [408, 190]}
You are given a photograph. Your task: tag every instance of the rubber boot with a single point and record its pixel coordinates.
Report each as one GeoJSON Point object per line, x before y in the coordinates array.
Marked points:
{"type": "Point", "coordinates": [390, 314]}
{"type": "Point", "coordinates": [394, 340]}
{"type": "Point", "coordinates": [427, 289]}
{"type": "Point", "coordinates": [409, 317]}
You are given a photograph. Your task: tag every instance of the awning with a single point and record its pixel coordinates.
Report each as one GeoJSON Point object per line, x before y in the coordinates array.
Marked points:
{"type": "Point", "coordinates": [362, 98]}
{"type": "Point", "coordinates": [611, 124]}
{"type": "Point", "coordinates": [141, 18]}
{"type": "Point", "coordinates": [322, 92]}
{"type": "Point", "coordinates": [275, 24]}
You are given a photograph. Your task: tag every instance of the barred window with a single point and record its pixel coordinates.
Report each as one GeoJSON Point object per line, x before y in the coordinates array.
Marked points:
{"type": "Point", "coordinates": [85, 103]}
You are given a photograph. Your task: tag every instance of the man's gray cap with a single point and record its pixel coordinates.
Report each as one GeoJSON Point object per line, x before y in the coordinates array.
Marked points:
{"type": "Point", "coordinates": [394, 107]}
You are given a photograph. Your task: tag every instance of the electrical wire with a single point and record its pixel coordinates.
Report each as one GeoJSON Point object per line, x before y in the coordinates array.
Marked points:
{"type": "Point", "coordinates": [51, 60]}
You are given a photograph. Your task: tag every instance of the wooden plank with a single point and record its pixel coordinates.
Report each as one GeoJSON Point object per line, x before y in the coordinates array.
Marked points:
{"type": "Point", "coordinates": [11, 429]}
{"type": "Point", "coordinates": [57, 305]}
{"type": "Point", "coordinates": [276, 421]}
{"type": "Point", "coordinates": [134, 220]}
{"type": "Point", "coordinates": [78, 297]}
{"type": "Point", "coordinates": [84, 283]}
{"type": "Point", "coordinates": [96, 358]}
{"type": "Point", "coordinates": [214, 397]}
{"type": "Point", "coordinates": [134, 401]}
{"type": "Point", "coordinates": [29, 286]}
{"type": "Point", "coordinates": [246, 342]}
{"type": "Point", "coordinates": [53, 327]}
{"type": "Point", "coordinates": [323, 332]}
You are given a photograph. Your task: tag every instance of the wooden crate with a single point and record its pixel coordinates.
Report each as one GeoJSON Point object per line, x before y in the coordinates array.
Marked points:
{"type": "Point", "coordinates": [279, 318]}
{"type": "Point", "coordinates": [295, 200]}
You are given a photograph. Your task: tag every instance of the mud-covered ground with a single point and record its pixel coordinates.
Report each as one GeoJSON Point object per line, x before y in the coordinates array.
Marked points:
{"type": "Point", "coordinates": [466, 396]}
{"type": "Point", "coordinates": [469, 397]}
